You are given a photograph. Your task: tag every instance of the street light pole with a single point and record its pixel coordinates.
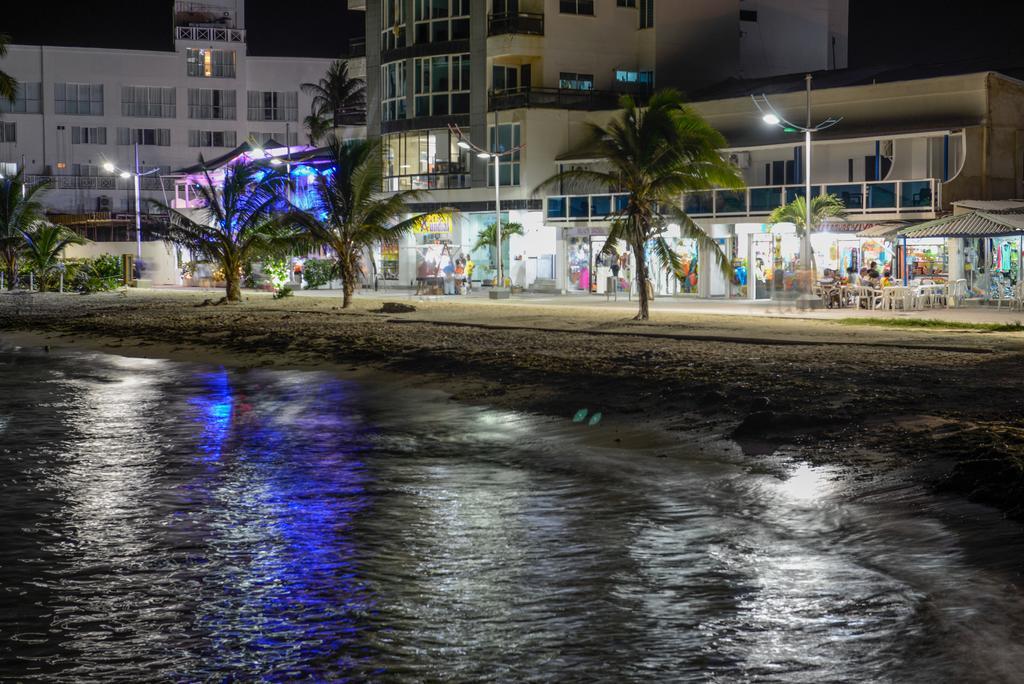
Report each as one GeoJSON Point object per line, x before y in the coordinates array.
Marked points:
{"type": "Point", "coordinates": [138, 209]}
{"type": "Point", "coordinates": [772, 117]}
{"type": "Point", "coordinates": [497, 200]}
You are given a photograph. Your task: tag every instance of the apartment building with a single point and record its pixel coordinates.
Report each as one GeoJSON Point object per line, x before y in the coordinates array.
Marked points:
{"type": "Point", "coordinates": [529, 73]}
{"type": "Point", "coordinates": [791, 36]}
{"type": "Point", "coordinates": [81, 107]}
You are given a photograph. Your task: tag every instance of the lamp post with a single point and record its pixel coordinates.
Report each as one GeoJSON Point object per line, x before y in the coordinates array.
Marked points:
{"type": "Point", "coordinates": [109, 167]}
{"type": "Point", "coordinates": [772, 117]}
{"type": "Point", "coordinates": [481, 153]}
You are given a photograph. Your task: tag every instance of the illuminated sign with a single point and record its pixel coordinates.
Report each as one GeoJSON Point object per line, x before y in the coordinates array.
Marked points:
{"type": "Point", "coordinates": [433, 224]}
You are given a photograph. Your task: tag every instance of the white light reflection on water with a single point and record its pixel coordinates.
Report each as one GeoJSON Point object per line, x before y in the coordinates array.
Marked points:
{"type": "Point", "coordinates": [284, 526]}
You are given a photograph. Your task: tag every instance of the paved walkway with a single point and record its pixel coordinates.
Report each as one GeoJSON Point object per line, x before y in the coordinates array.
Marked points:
{"type": "Point", "coordinates": [971, 313]}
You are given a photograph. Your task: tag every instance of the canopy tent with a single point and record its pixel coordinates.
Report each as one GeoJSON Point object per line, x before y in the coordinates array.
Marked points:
{"type": "Point", "coordinates": [974, 224]}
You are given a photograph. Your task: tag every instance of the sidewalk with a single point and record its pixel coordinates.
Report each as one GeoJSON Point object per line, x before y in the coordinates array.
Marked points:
{"type": "Point", "coordinates": [682, 305]}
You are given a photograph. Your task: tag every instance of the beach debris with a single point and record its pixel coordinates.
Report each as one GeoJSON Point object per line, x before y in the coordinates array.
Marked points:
{"type": "Point", "coordinates": [581, 415]}
{"type": "Point", "coordinates": [396, 308]}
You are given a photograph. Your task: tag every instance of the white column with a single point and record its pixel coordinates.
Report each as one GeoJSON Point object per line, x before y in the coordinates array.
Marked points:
{"type": "Point", "coordinates": [955, 247]}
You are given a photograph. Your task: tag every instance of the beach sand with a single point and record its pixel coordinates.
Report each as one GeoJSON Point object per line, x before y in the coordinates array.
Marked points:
{"type": "Point", "coordinates": [942, 405]}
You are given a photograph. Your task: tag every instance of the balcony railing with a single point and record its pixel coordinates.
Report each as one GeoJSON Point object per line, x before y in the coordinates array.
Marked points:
{"type": "Point", "coordinates": [904, 197]}
{"type": "Point", "coordinates": [556, 98]}
{"type": "Point", "coordinates": [521, 23]}
{"type": "Point", "coordinates": [70, 182]}
{"type": "Point", "coordinates": [210, 33]}
{"type": "Point", "coordinates": [427, 181]}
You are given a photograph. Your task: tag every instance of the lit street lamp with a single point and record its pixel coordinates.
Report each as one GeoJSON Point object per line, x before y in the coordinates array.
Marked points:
{"type": "Point", "coordinates": [109, 167]}
{"type": "Point", "coordinates": [481, 153]}
{"type": "Point", "coordinates": [772, 117]}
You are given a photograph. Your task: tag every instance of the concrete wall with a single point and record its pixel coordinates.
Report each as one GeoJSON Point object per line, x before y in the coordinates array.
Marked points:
{"type": "Point", "coordinates": [791, 36]}
{"type": "Point", "coordinates": [158, 257]}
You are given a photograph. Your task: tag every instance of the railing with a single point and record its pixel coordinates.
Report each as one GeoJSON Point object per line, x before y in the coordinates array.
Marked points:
{"type": "Point", "coordinates": [903, 196]}
{"type": "Point", "coordinates": [210, 33]}
{"type": "Point", "coordinates": [69, 182]}
{"type": "Point", "coordinates": [556, 98]}
{"type": "Point", "coordinates": [521, 23]}
{"type": "Point", "coordinates": [427, 181]}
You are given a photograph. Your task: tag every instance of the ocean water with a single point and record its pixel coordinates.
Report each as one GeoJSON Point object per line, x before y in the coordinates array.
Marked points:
{"type": "Point", "coordinates": [179, 522]}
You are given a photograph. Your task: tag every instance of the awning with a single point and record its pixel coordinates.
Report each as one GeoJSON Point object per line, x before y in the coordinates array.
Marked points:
{"type": "Point", "coordinates": [992, 206]}
{"type": "Point", "coordinates": [975, 224]}
{"type": "Point", "coordinates": [883, 231]}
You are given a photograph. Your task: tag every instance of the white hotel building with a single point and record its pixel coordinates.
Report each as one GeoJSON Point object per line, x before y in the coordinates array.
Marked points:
{"type": "Point", "coordinates": [535, 72]}
{"type": "Point", "coordinates": [79, 107]}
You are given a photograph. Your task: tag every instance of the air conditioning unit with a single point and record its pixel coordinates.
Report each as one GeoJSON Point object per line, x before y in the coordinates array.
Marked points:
{"type": "Point", "coordinates": [103, 203]}
{"type": "Point", "coordinates": [740, 159]}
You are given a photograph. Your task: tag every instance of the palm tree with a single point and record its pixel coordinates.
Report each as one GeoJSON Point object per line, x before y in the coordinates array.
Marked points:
{"type": "Point", "coordinates": [338, 100]}
{"type": "Point", "coordinates": [242, 221]}
{"type": "Point", "coordinates": [20, 213]}
{"type": "Point", "coordinates": [488, 239]}
{"type": "Point", "coordinates": [822, 207]}
{"type": "Point", "coordinates": [8, 85]}
{"type": "Point", "coordinates": [349, 213]}
{"type": "Point", "coordinates": [654, 155]}
{"type": "Point", "coordinates": [44, 246]}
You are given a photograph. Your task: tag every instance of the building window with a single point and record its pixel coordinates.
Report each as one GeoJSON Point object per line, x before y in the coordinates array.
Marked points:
{"type": "Point", "coordinates": [269, 105]}
{"type": "Point", "coordinates": [28, 100]}
{"type": "Point", "coordinates": [626, 3]}
{"type": "Point", "coordinates": [635, 78]}
{"type": "Point", "coordinates": [392, 34]}
{"type": "Point", "coordinates": [511, 78]}
{"type": "Point", "coordinates": [570, 80]}
{"type": "Point", "coordinates": [78, 98]}
{"type": "Point", "coordinates": [424, 160]}
{"type": "Point", "coordinates": [748, 15]}
{"type": "Point", "coordinates": [211, 139]}
{"type": "Point", "coordinates": [205, 103]}
{"type": "Point", "coordinates": [144, 136]}
{"type": "Point", "coordinates": [210, 63]}
{"type": "Point", "coordinates": [508, 137]}
{"type": "Point", "coordinates": [437, 21]}
{"type": "Point", "coordinates": [8, 132]}
{"type": "Point", "coordinates": [262, 137]}
{"type": "Point", "coordinates": [646, 14]}
{"type": "Point", "coordinates": [442, 85]}
{"type": "Point", "coordinates": [576, 7]}
{"type": "Point", "coordinates": [149, 101]}
{"type": "Point", "coordinates": [86, 135]}
{"type": "Point", "coordinates": [393, 91]}
{"type": "Point", "coordinates": [86, 170]}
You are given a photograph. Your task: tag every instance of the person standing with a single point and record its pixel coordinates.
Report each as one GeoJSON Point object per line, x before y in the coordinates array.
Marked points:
{"type": "Point", "coordinates": [469, 267]}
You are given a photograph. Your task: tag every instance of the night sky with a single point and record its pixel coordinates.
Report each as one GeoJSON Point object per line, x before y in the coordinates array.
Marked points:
{"type": "Point", "coordinates": [882, 32]}
{"type": "Point", "coordinates": [312, 29]}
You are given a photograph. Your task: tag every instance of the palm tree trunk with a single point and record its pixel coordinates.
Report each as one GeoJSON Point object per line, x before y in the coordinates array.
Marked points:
{"type": "Point", "coordinates": [11, 264]}
{"type": "Point", "coordinates": [233, 282]}
{"type": "Point", "coordinates": [641, 278]}
{"type": "Point", "coordinates": [348, 281]}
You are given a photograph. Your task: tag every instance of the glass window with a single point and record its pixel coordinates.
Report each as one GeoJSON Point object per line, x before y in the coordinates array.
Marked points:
{"type": "Point", "coordinates": [210, 63]}
{"type": "Point", "coordinates": [207, 103]}
{"type": "Point", "coordinates": [393, 91]}
{"type": "Point", "coordinates": [392, 34]}
{"type": "Point", "coordinates": [78, 98]}
{"type": "Point", "coordinates": [144, 136]}
{"type": "Point", "coordinates": [424, 160]}
{"type": "Point", "coordinates": [211, 139]}
{"type": "Point", "coordinates": [149, 101]}
{"type": "Point", "coordinates": [8, 132]}
{"type": "Point", "coordinates": [437, 21]}
{"type": "Point", "coordinates": [269, 105]}
{"type": "Point", "coordinates": [573, 81]}
{"type": "Point", "coordinates": [27, 100]}
{"type": "Point", "coordinates": [86, 135]}
{"type": "Point", "coordinates": [626, 3]}
{"type": "Point", "coordinates": [646, 14]}
{"type": "Point", "coordinates": [442, 85]}
{"type": "Point", "coordinates": [261, 137]}
{"type": "Point", "coordinates": [508, 138]}
{"type": "Point", "coordinates": [576, 7]}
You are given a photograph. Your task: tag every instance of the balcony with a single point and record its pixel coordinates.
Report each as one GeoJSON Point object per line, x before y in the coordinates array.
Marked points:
{"type": "Point", "coordinates": [210, 34]}
{"type": "Point", "coordinates": [878, 197]}
{"type": "Point", "coordinates": [554, 98]}
{"type": "Point", "coordinates": [357, 47]}
{"type": "Point", "coordinates": [909, 197]}
{"type": "Point", "coordinates": [517, 23]}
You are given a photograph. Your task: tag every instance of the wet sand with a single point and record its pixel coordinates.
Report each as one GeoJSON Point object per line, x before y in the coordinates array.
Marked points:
{"type": "Point", "coordinates": [943, 405]}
